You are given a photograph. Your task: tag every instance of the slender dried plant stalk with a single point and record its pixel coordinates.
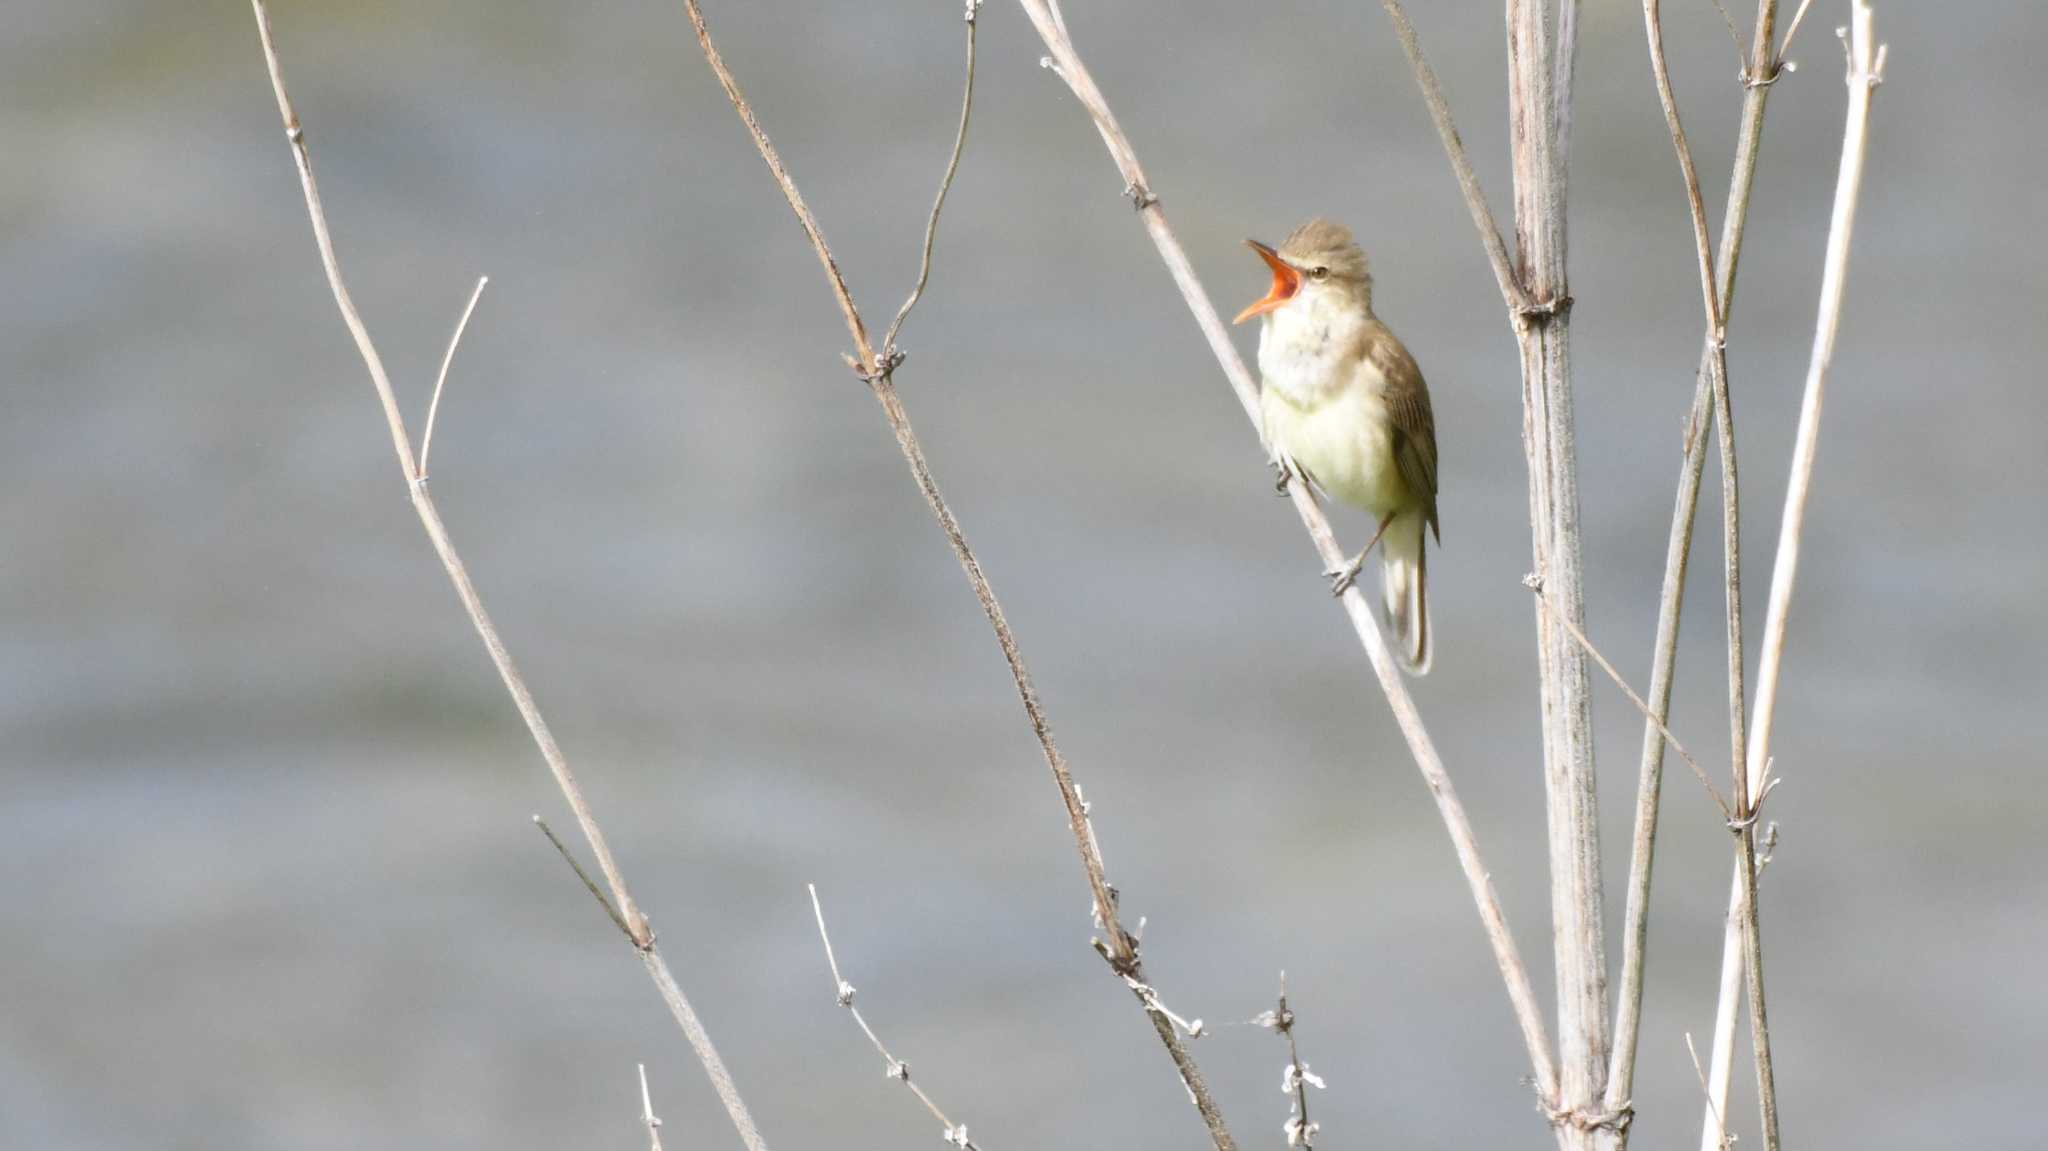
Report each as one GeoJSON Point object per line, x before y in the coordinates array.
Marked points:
{"type": "Point", "coordinates": [1742, 820]}
{"type": "Point", "coordinates": [877, 367]}
{"type": "Point", "coordinates": [638, 932]}
{"type": "Point", "coordinates": [1539, 114]}
{"type": "Point", "coordinates": [647, 1115]}
{"type": "Point", "coordinates": [1865, 71]}
{"type": "Point", "coordinates": [1760, 71]}
{"type": "Point", "coordinates": [1541, 52]}
{"type": "Point", "coordinates": [897, 1069]}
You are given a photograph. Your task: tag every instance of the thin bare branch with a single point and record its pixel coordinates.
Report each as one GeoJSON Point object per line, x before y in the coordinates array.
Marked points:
{"type": "Point", "coordinates": [1678, 553]}
{"type": "Point", "coordinates": [441, 380]}
{"type": "Point", "coordinates": [1296, 1078]}
{"type": "Point", "coordinates": [1653, 25]}
{"type": "Point", "coordinates": [895, 1068]}
{"type": "Point", "coordinates": [1864, 77]}
{"type": "Point", "coordinates": [1744, 822]}
{"type": "Point", "coordinates": [647, 1112]}
{"type": "Point", "coordinates": [1792, 29]}
{"type": "Point", "coordinates": [629, 915]}
{"type": "Point", "coordinates": [589, 884]}
{"type": "Point", "coordinates": [931, 227]}
{"type": "Point", "coordinates": [1612, 674]}
{"type": "Point", "coordinates": [1725, 1142]}
{"type": "Point", "coordinates": [1865, 71]}
{"type": "Point", "coordinates": [1734, 37]}
{"type": "Point", "coordinates": [877, 368]}
{"type": "Point", "coordinates": [1461, 165]}
{"type": "Point", "coordinates": [1066, 63]}
{"type": "Point", "coordinates": [773, 159]}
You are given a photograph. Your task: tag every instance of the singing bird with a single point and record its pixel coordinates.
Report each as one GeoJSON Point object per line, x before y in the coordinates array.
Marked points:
{"type": "Point", "coordinates": [1344, 407]}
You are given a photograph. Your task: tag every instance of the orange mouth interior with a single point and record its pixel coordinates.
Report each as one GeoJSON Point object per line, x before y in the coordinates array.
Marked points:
{"type": "Point", "coordinates": [1286, 282]}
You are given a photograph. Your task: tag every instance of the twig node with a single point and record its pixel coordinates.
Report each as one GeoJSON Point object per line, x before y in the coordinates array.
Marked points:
{"type": "Point", "coordinates": [1542, 311]}
{"type": "Point", "coordinates": [1617, 1120]}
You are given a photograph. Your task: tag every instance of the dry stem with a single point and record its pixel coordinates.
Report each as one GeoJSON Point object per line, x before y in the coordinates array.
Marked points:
{"type": "Point", "coordinates": [1579, 637]}
{"type": "Point", "coordinates": [1539, 116]}
{"type": "Point", "coordinates": [1725, 1143]}
{"type": "Point", "coordinates": [1743, 824]}
{"type": "Point", "coordinates": [931, 226]}
{"type": "Point", "coordinates": [1461, 165]}
{"type": "Point", "coordinates": [1066, 62]}
{"type": "Point", "coordinates": [895, 1068]}
{"type": "Point", "coordinates": [647, 1115]}
{"type": "Point", "coordinates": [635, 924]}
{"type": "Point", "coordinates": [877, 369]}
{"type": "Point", "coordinates": [1296, 1078]}
{"type": "Point", "coordinates": [1865, 71]}
{"type": "Point", "coordinates": [1759, 71]}
{"type": "Point", "coordinates": [441, 379]}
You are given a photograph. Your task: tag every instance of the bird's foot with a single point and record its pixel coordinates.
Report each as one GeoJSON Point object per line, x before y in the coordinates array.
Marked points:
{"type": "Point", "coordinates": [1283, 474]}
{"type": "Point", "coordinates": [1342, 578]}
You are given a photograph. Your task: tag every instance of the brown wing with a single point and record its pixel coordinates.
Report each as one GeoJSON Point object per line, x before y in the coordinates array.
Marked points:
{"type": "Point", "coordinates": [1407, 399]}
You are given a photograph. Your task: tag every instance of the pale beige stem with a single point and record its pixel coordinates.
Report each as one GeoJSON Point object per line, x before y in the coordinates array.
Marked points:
{"type": "Point", "coordinates": [876, 367]}
{"type": "Point", "coordinates": [893, 1067]}
{"type": "Point", "coordinates": [1539, 115]}
{"type": "Point", "coordinates": [641, 935]}
{"type": "Point", "coordinates": [1461, 164]}
{"type": "Point", "coordinates": [1760, 69]}
{"type": "Point", "coordinates": [647, 1115]}
{"type": "Point", "coordinates": [441, 379]}
{"type": "Point", "coordinates": [1865, 71]}
{"type": "Point", "coordinates": [1743, 825]}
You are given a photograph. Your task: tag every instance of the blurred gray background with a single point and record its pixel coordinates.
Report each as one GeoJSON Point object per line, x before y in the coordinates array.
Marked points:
{"type": "Point", "coordinates": [270, 878]}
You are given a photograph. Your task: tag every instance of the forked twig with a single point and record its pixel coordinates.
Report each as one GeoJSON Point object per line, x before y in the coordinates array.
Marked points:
{"type": "Point", "coordinates": [441, 380]}
{"type": "Point", "coordinates": [877, 369]}
{"type": "Point", "coordinates": [1586, 645]}
{"type": "Point", "coordinates": [1742, 822]}
{"type": "Point", "coordinates": [1792, 29]}
{"type": "Point", "coordinates": [589, 884]}
{"type": "Point", "coordinates": [894, 1068]}
{"type": "Point", "coordinates": [1713, 1110]}
{"type": "Point", "coordinates": [1864, 73]}
{"type": "Point", "coordinates": [1461, 165]}
{"type": "Point", "coordinates": [1709, 390]}
{"type": "Point", "coordinates": [1734, 37]}
{"type": "Point", "coordinates": [628, 914]}
{"type": "Point", "coordinates": [931, 227]}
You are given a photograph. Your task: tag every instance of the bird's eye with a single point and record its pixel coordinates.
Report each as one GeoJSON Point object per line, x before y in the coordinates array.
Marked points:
{"type": "Point", "coordinates": [1320, 272]}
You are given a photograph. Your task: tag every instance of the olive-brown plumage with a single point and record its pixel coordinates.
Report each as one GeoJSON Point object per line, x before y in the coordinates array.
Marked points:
{"type": "Point", "coordinates": [1344, 406]}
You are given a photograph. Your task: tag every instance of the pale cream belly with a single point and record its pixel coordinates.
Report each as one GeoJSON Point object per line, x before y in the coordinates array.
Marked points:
{"type": "Point", "coordinates": [1345, 442]}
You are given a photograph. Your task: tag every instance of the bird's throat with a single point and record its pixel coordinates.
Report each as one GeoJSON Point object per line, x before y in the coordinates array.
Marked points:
{"type": "Point", "coordinates": [1306, 348]}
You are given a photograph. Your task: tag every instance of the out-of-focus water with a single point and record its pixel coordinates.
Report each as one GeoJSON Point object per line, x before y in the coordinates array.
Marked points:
{"type": "Point", "coordinates": [270, 877]}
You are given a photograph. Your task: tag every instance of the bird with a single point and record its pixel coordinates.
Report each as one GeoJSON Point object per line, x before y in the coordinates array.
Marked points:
{"type": "Point", "coordinates": [1343, 406]}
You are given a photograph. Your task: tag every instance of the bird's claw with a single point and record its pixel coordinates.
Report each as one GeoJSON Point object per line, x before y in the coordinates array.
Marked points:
{"type": "Point", "coordinates": [1342, 578]}
{"type": "Point", "coordinates": [1282, 475]}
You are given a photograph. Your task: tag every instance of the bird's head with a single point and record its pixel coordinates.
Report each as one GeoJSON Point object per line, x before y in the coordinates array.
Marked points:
{"type": "Point", "coordinates": [1318, 259]}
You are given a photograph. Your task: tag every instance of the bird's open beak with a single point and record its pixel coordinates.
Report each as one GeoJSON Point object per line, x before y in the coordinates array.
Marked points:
{"type": "Point", "coordinates": [1286, 282]}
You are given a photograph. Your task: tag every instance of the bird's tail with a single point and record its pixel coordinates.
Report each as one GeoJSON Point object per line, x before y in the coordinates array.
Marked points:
{"type": "Point", "coordinates": [1404, 594]}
